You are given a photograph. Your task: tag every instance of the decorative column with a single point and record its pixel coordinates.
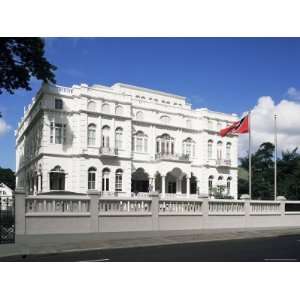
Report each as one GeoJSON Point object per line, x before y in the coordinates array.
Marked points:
{"type": "Point", "coordinates": [153, 184]}
{"type": "Point", "coordinates": [150, 188]}
{"type": "Point", "coordinates": [188, 186]}
{"type": "Point", "coordinates": [35, 185]}
{"type": "Point", "coordinates": [198, 187]}
{"type": "Point", "coordinates": [38, 183]}
{"type": "Point", "coordinates": [163, 185]}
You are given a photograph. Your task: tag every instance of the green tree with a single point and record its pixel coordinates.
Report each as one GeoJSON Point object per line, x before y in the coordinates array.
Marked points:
{"type": "Point", "coordinates": [21, 58]}
{"type": "Point", "coordinates": [262, 173]}
{"type": "Point", "coordinates": [288, 174]}
{"type": "Point", "coordinates": [8, 177]}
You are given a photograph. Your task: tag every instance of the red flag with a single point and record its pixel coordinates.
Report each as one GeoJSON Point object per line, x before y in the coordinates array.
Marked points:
{"type": "Point", "coordinates": [241, 126]}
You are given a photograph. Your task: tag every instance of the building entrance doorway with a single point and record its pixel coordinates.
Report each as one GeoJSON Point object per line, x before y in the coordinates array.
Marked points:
{"type": "Point", "coordinates": [140, 181]}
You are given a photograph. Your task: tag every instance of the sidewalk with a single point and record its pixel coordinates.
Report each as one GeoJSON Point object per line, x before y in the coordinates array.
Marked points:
{"type": "Point", "coordinates": [55, 243]}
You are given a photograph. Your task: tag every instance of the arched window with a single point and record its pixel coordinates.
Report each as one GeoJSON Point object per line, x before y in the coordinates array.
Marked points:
{"type": "Point", "coordinates": [228, 185]}
{"type": "Point", "coordinates": [210, 184]}
{"type": "Point", "coordinates": [105, 179]}
{"type": "Point", "coordinates": [210, 149]}
{"type": "Point", "coordinates": [118, 181]}
{"type": "Point", "coordinates": [91, 135]}
{"type": "Point", "coordinates": [57, 178]}
{"type": "Point", "coordinates": [58, 104]}
{"type": "Point", "coordinates": [105, 108]}
{"type": "Point", "coordinates": [220, 184]}
{"type": "Point", "coordinates": [118, 138]}
{"type": "Point", "coordinates": [139, 115]}
{"type": "Point", "coordinates": [119, 110]}
{"type": "Point", "coordinates": [91, 106]}
{"type": "Point", "coordinates": [189, 147]}
{"type": "Point", "coordinates": [165, 144]}
{"type": "Point", "coordinates": [228, 151]}
{"type": "Point", "coordinates": [105, 136]}
{"type": "Point", "coordinates": [165, 119]}
{"type": "Point", "coordinates": [140, 142]}
{"type": "Point", "coordinates": [219, 150]}
{"type": "Point", "coordinates": [92, 178]}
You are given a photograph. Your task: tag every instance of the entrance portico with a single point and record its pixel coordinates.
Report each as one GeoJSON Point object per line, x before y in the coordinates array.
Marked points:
{"type": "Point", "coordinates": [175, 182]}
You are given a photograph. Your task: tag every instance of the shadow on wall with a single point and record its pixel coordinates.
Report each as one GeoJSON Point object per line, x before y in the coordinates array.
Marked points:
{"type": "Point", "coordinates": [69, 138]}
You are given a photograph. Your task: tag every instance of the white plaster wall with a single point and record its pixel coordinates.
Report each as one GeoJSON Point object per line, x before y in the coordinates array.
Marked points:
{"type": "Point", "coordinates": [75, 156]}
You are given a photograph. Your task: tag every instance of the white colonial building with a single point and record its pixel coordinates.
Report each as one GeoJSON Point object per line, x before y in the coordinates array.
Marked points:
{"type": "Point", "coordinates": [121, 140]}
{"type": "Point", "coordinates": [6, 195]}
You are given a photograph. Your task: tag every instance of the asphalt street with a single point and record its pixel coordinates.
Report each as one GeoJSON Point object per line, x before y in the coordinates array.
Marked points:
{"type": "Point", "coordinates": [282, 248]}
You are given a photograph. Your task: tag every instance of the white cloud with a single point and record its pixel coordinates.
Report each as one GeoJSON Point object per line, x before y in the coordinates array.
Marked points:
{"type": "Point", "coordinates": [262, 125]}
{"type": "Point", "coordinates": [4, 127]}
{"type": "Point", "coordinates": [293, 93]}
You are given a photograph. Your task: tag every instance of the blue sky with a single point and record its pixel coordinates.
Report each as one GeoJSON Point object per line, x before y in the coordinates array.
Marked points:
{"type": "Point", "coordinates": [223, 74]}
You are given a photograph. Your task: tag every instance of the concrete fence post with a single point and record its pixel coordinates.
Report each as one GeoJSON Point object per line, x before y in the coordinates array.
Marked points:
{"type": "Point", "coordinates": [282, 200]}
{"type": "Point", "coordinates": [247, 207]}
{"type": "Point", "coordinates": [155, 210]}
{"type": "Point", "coordinates": [20, 211]}
{"type": "Point", "coordinates": [205, 206]}
{"type": "Point", "coordinates": [94, 219]}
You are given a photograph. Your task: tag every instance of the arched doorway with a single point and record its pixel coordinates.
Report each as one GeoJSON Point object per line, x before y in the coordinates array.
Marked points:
{"type": "Point", "coordinates": [140, 181]}
{"type": "Point", "coordinates": [174, 181]}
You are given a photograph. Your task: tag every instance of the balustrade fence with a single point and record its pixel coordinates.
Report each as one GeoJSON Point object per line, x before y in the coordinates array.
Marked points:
{"type": "Point", "coordinates": [180, 207]}
{"type": "Point", "coordinates": [115, 213]}
{"type": "Point", "coordinates": [108, 207]}
{"type": "Point", "coordinates": [53, 206]}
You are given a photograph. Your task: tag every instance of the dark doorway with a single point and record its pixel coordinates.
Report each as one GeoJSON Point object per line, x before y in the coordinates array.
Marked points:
{"type": "Point", "coordinates": [172, 187]}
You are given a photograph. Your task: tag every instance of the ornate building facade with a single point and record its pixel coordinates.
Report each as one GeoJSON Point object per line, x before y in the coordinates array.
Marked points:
{"type": "Point", "coordinates": [123, 140]}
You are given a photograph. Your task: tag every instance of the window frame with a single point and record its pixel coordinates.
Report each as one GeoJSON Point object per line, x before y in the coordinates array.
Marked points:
{"type": "Point", "coordinates": [92, 172]}
{"type": "Point", "coordinates": [58, 103]}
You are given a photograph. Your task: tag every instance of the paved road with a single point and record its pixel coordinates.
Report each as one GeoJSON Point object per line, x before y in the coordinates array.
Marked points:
{"type": "Point", "coordinates": [283, 248]}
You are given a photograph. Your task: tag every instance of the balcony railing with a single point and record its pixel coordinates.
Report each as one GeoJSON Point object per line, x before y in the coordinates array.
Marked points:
{"type": "Point", "coordinates": [223, 162]}
{"type": "Point", "coordinates": [108, 151]}
{"type": "Point", "coordinates": [169, 156]}
{"type": "Point", "coordinates": [173, 196]}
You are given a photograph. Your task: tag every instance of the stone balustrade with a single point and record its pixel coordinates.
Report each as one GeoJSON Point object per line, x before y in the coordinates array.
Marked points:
{"type": "Point", "coordinates": [74, 213]}
{"type": "Point", "coordinates": [226, 207]}
{"type": "Point", "coordinates": [169, 156]}
{"type": "Point", "coordinates": [180, 207]}
{"type": "Point", "coordinates": [108, 151]}
{"type": "Point", "coordinates": [57, 206]}
{"type": "Point", "coordinates": [265, 207]}
{"type": "Point", "coordinates": [223, 162]}
{"type": "Point", "coordinates": [170, 196]}
{"type": "Point", "coordinates": [121, 207]}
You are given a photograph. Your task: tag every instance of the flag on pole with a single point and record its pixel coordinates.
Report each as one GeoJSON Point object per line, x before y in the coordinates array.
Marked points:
{"type": "Point", "coordinates": [241, 126]}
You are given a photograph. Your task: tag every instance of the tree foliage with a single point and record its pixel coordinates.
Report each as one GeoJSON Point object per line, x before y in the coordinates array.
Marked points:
{"type": "Point", "coordinates": [21, 58]}
{"type": "Point", "coordinates": [288, 173]}
{"type": "Point", "coordinates": [7, 176]}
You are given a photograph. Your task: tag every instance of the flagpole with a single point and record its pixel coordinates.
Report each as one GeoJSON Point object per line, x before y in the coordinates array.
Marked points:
{"type": "Point", "coordinates": [250, 164]}
{"type": "Point", "coordinates": [275, 157]}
